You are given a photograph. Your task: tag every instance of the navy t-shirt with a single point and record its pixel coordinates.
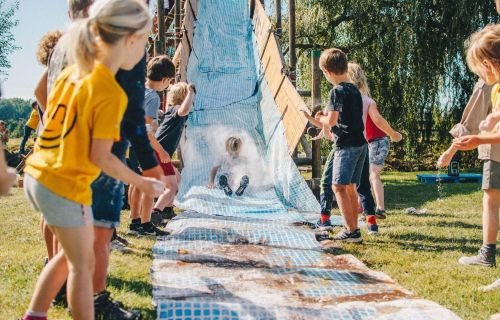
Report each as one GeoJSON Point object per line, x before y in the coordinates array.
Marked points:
{"type": "Point", "coordinates": [346, 100]}
{"type": "Point", "coordinates": [170, 131]}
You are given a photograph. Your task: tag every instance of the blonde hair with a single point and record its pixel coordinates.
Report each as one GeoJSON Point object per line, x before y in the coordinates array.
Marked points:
{"type": "Point", "coordinates": [46, 46]}
{"type": "Point", "coordinates": [177, 93]}
{"type": "Point", "coordinates": [484, 45]}
{"type": "Point", "coordinates": [358, 77]}
{"type": "Point", "coordinates": [233, 144]}
{"type": "Point", "coordinates": [108, 21]}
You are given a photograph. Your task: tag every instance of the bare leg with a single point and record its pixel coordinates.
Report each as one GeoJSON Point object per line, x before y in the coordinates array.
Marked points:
{"type": "Point", "coordinates": [377, 186]}
{"type": "Point", "coordinates": [102, 240]}
{"type": "Point", "coordinates": [49, 238]}
{"type": "Point", "coordinates": [147, 204]}
{"type": "Point", "coordinates": [134, 199]}
{"type": "Point", "coordinates": [78, 253]}
{"type": "Point", "coordinates": [167, 198]}
{"type": "Point", "coordinates": [345, 203]}
{"type": "Point", "coordinates": [491, 206]}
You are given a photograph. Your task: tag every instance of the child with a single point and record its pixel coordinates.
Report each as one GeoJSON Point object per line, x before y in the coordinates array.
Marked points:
{"type": "Point", "coordinates": [229, 168]}
{"type": "Point", "coordinates": [30, 126]}
{"type": "Point", "coordinates": [377, 133]}
{"type": "Point", "coordinates": [345, 117]}
{"type": "Point", "coordinates": [160, 71]}
{"type": "Point", "coordinates": [180, 99]}
{"type": "Point", "coordinates": [483, 58]}
{"type": "Point", "coordinates": [4, 134]}
{"type": "Point", "coordinates": [83, 117]}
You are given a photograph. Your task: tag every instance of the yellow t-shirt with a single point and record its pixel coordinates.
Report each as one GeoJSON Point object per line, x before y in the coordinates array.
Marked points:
{"type": "Point", "coordinates": [78, 111]}
{"type": "Point", "coordinates": [495, 97]}
{"type": "Point", "coordinates": [33, 120]}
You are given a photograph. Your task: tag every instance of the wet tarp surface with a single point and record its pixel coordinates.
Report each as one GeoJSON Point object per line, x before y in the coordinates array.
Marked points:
{"type": "Point", "coordinates": [251, 257]}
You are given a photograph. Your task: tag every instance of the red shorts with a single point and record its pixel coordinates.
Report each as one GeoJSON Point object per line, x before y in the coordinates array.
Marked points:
{"type": "Point", "coordinates": [168, 168]}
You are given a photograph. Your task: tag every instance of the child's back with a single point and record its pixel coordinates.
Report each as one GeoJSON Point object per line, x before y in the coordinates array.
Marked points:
{"type": "Point", "coordinates": [346, 99]}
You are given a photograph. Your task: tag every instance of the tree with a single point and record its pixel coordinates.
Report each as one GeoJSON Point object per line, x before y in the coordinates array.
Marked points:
{"type": "Point", "coordinates": [7, 23]}
{"type": "Point", "coordinates": [413, 54]}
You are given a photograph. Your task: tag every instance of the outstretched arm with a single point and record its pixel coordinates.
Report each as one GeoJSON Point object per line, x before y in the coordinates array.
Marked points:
{"type": "Point", "coordinates": [187, 103]}
{"type": "Point", "coordinates": [41, 93]}
{"type": "Point", "coordinates": [213, 172]}
{"type": "Point", "coordinates": [382, 124]}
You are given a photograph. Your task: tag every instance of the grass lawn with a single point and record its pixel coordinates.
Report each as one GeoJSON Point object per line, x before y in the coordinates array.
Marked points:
{"type": "Point", "coordinates": [419, 251]}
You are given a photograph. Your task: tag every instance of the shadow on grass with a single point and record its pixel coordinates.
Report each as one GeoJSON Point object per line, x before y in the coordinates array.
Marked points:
{"type": "Point", "coordinates": [407, 193]}
{"type": "Point", "coordinates": [420, 242]}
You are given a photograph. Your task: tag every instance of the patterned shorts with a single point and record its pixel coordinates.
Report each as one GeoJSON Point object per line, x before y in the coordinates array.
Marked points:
{"type": "Point", "coordinates": [378, 151]}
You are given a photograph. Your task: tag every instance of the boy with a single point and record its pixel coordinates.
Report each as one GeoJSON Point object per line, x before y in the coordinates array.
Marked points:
{"type": "Point", "coordinates": [160, 71]}
{"type": "Point", "coordinates": [345, 117]}
{"type": "Point", "coordinates": [180, 100]}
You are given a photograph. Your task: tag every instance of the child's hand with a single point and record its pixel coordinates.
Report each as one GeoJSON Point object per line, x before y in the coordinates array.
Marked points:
{"type": "Point", "coordinates": [210, 185]}
{"type": "Point", "coordinates": [192, 88]}
{"type": "Point", "coordinates": [319, 115]}
{"type": "Point", "coordinates": [7, 180]}
{"type": "Point", "coordinates": [151, 187]}
{"type": "Point", "coordinates": [397, 137]}
{"type": "Point", "coordinates": [467, 143]}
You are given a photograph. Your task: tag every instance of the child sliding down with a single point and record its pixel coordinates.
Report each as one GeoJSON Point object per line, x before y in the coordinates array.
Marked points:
{"type": "Point", "coordinates": [230, 168]}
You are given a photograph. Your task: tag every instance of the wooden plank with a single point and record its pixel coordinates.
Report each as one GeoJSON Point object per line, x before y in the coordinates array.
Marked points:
{"type": "Point", "coordinates": [191, 10]}
{"type": "Point", "coordinates": [288, 101]}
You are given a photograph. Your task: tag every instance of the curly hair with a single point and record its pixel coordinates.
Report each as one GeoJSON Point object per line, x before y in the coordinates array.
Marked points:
{"type": "Point", "coordinates": [46, 45]}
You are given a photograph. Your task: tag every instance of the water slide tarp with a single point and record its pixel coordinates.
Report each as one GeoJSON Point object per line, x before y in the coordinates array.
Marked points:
{"type": "Point", "coordinates": [250, 257]}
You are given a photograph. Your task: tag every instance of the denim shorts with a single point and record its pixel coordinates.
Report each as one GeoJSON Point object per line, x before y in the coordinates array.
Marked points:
{"type": "Point", "coordinates": [107, 201]}
{"type": "Point", "coordinates": [491, 175]}
{"type": "Point", "coordinates": [57, 211]}
{"type": "Point", "coordinates": [379, 150]}
{"type": "Point", "coordinates": [348, 165]}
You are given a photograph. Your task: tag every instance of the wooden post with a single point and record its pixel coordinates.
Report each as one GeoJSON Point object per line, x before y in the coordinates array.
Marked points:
{"type": "Point", "coordinates": [278, 17]}
{"type": "Point", "coordinates": [292, 44]}
{"type": "Point", "coordinates": [178, 27]}
{"type": "Point", "coordinates": [160, 41]}
{"type": "Point", "coordinates": [316, 102]}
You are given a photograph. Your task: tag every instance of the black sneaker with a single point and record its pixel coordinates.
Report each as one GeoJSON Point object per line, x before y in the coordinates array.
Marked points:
{"type": "Point", "coordinates": [485, 258]}
{"type": "Point", "coordinates": [134, 228]}
{"type": "Point", "coordinates": [380, 214]}
{"type": "Point", "coordinates": [168, 213]}
{"type": "Point", "coordinates": [243, 185]}
{"type": "Point", "coordinates": [157, 219]}
{"type": "Point", "coordinates": [121, 239]}
{"type": "Point", "coordinates": [223, 183]}
{"type": "Point", "coordinates": [345, 235]}
{"type": "Point", "coordinates": [107, 309]}
{"type": "Point", "coordinates": [149, 229]}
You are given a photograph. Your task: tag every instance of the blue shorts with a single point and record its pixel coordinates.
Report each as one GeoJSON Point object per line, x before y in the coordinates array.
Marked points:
{"type": "Point", "coordinates": [56, 210]}
{"type": "Point", "coordinates": [107, 201]}
{"type": "Point", "coordinates": [348, 165]}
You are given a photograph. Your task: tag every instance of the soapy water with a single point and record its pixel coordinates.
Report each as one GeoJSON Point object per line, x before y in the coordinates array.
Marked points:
{"type": "Point", "coordinates": [252, 163]}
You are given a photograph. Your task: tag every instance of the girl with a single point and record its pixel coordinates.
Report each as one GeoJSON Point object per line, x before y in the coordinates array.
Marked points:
{"type": "Point", "coordinates": [229, 168]}
{"type": "Point", "coordinates": [483, 58]}
{"type": "Point", "coordinates": [377, 133]}
{"type": "Point", "coordinates": [82, 120]}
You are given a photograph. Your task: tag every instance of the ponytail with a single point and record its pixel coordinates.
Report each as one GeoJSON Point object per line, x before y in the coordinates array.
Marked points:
{"type": "Point", "coordinates": [82, 45]}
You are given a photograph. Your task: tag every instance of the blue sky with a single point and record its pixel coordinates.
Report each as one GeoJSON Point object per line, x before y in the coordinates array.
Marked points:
{"type": "Point", "coordinates": [36, 17]}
